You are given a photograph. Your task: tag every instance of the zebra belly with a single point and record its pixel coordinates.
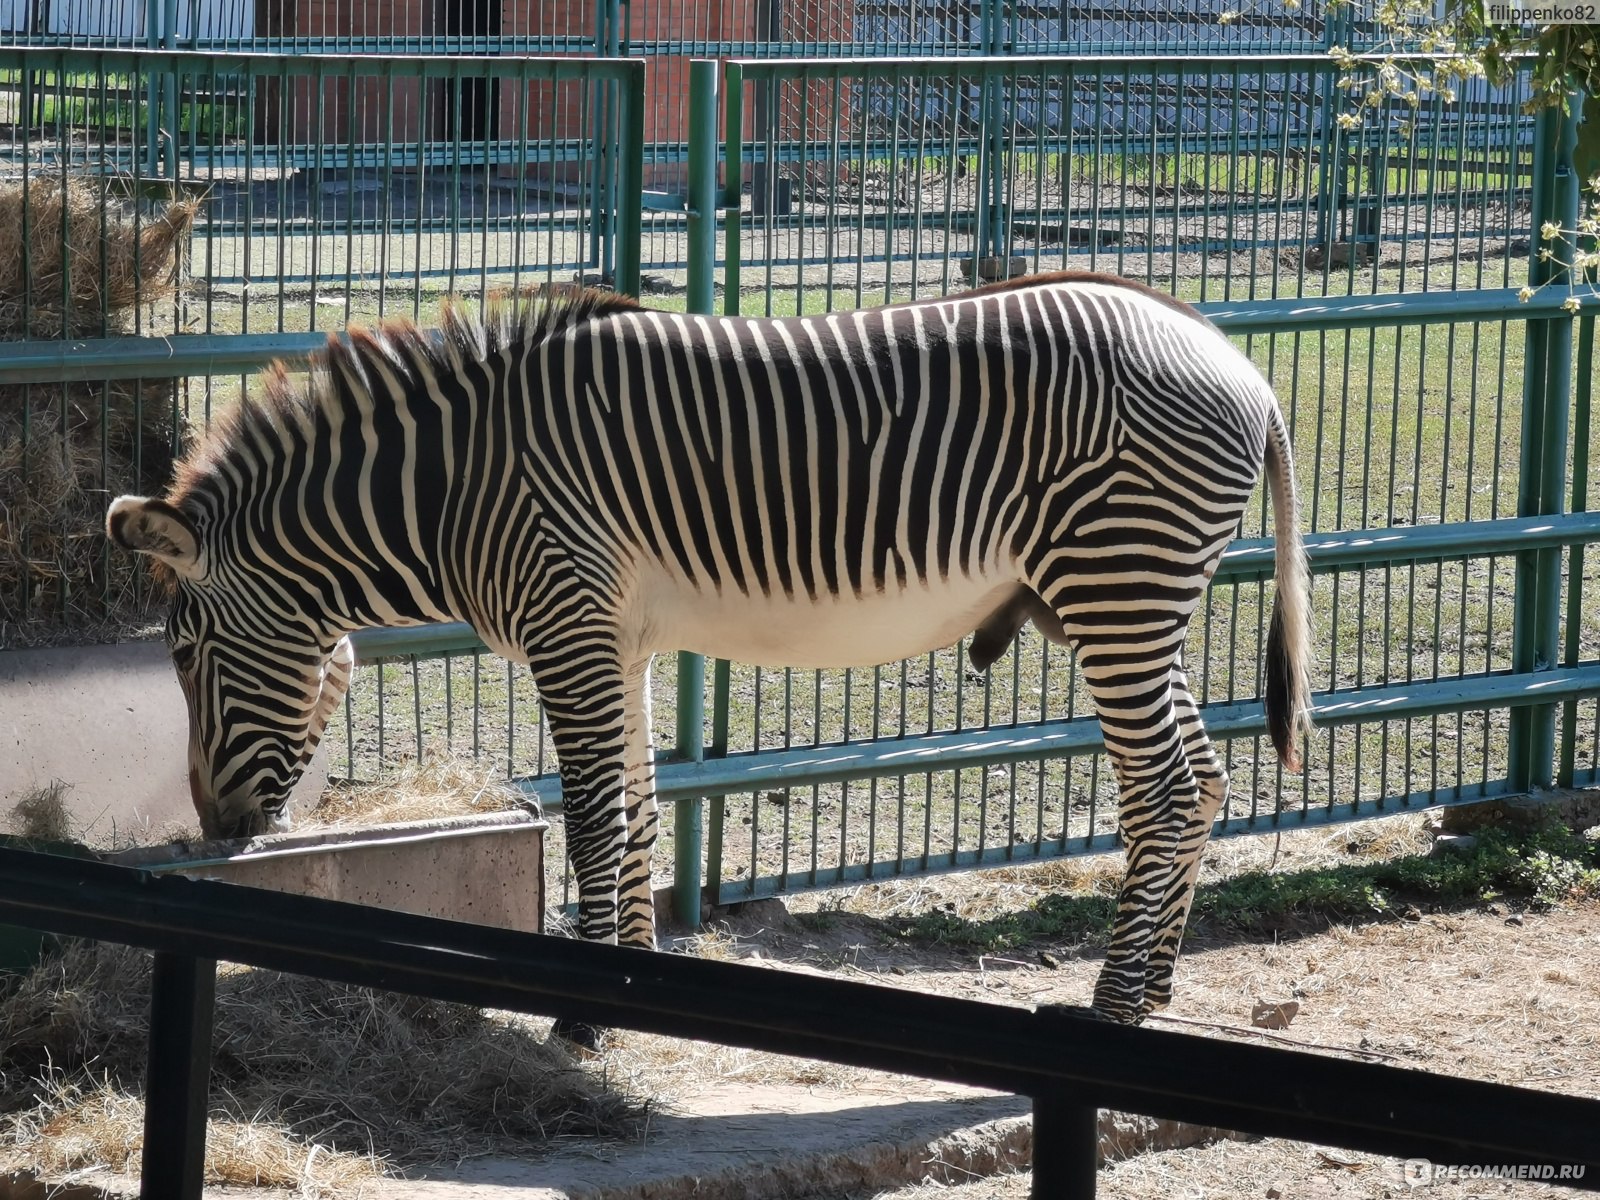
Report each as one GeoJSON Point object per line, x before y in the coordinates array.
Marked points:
{"type": "Point", "coordinates": [829, 631]}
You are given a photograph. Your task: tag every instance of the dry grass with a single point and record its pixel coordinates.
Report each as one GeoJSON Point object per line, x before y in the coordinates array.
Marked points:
{"type": "Point", "coordinates": [446, 786]}
{"type": "Point", "coordinates": [316, 1086]}
{"type": "Point", "coordinates": [97, 1127]}
{"type": "Point", "coordinates": [74, 262]}
{"type": "Point", "coordinates": [42, 815]}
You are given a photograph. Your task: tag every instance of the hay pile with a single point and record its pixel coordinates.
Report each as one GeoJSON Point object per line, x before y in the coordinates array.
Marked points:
{"type": "Point", "coordinates": [442, 786]}
{"type": "Point", "coordinates": [316, 1086]}
{"type": "Point", "coordinates": [87, 264]}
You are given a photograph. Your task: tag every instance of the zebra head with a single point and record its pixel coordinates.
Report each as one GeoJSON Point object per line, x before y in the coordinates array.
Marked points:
{"type": "Point", "coordinates": [259, 677]}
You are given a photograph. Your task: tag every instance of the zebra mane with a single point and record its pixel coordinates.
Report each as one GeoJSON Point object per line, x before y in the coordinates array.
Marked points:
{"type": "Point", "coordinates": [352, 371]}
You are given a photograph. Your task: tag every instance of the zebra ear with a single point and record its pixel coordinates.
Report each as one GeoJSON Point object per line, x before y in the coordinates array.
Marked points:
{"type": "Point", "coordinates": [156, 528]}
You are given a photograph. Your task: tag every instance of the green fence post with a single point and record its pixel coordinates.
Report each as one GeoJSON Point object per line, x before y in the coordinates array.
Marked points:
{"type": "Point", "coordinates": [154, 93]}
{"type": "Point", "coordinates": [1582, 412]}
{"type": "Point", "coordinates": [688, 815]}
{"type": "Point", "coordinates": [1541, 488]}
{"type": "Point", "coordinates": [169, 111]}
{"type": "Point", "coordinates": [722, 675]}
{"type": "Point", "coordinates": [732, 186]}
{"type": "Point", "coordinates": [630, 181]}
{"type": "Point", "coordinates": [702, 185]}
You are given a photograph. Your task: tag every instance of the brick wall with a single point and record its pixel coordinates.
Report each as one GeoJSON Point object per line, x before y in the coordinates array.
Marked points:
{"type": "Point", "coordinates": [372, 109]}
{"type": "Point", "coordinates": [367, 108]}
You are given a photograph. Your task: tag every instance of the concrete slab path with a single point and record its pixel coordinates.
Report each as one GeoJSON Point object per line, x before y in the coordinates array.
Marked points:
{"type": "Point", "coordinates": [740, 1142]}
{"type": "Point", "coordinates": [110, 723]}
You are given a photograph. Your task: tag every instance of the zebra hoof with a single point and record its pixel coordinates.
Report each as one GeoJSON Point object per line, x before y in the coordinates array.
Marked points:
{"type": "Point", "coordinates": [580, 1036]}
{"type": "Point", "coordinates": [1072, 1012]}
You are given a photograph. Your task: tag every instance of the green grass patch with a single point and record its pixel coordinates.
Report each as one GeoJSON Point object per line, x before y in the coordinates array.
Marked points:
{"type": "Point", "coordinates": [1543, 868]}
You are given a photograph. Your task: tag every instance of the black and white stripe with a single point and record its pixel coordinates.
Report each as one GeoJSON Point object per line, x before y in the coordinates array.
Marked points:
{"type": "Point", "coordinates": [588, 483]}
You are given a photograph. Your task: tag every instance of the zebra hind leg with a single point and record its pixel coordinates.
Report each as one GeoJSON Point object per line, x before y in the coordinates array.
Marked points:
{"type": "Point", "coordinates": [1158, 793]}
{"type": "Point", "coordinates": [1212, 781]}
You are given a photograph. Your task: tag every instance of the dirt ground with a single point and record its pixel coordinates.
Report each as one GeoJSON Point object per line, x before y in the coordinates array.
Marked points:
{"type": "Point", "coordinates": [1460, 993]}
{"type": "Point", "coordinates": [1498, 989]}
{"type": "Point", "coordinates": [1493, 991]}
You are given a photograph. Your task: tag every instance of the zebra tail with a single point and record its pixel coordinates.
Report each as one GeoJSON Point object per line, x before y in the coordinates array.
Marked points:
{"type": "Point", "coordinates": [1288, 698]}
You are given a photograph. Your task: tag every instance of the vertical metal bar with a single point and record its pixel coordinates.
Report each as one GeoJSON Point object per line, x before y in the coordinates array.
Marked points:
{"type": "Point", "coordinates": [1582, 415]}
{"type": "Point", "coordinates": [733, 149]}
{"type": "Point", "coordinates": [1066, 1142]}
{"type": "Point", "coordinates": [154, 93]}
{"type": "Point", "coordinates": [722, 672]}
{"type": "Point", "coordinates": [702, 185]}
{"type": "Point", "coordinates": [630, 181]}
{"type": "Point", "coordinates": [182, 995]}
{"type": "Point", "coordinates": [688, 815]}
{"type": "Point", "coordinates": [1541, 484]}
{"type": "Point", "coordinates": [169, 41]}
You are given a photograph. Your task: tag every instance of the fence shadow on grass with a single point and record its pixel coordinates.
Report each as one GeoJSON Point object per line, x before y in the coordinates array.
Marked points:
{"type": "Point", "coordinates": [1539, 868]}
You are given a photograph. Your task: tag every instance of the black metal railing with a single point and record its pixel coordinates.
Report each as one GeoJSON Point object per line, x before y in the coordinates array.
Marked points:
{"type": "Point", "coordinates": [1068, 1064]}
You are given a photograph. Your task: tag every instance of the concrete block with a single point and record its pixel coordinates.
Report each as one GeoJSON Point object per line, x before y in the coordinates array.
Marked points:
{"type": "Point", "coordinates": [483, 868]}
{"type": "Point", "coordinates": [1576, 808]}
{"type": "Point", "coordinates": [109, 722]}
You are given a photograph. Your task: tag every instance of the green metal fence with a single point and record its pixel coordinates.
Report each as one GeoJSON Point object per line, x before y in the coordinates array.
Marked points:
{"type": "Point", "coordinates": [332, 191]}
{"type": "Point", "coordinates": [1373, 273]}
{"type": "Point", "coordinates": [1430, 409]}
{"type": "Point", "coordinates": [667, 37]}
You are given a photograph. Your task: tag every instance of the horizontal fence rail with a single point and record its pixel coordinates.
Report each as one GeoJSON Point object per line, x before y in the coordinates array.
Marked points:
{"type": "Point", "coordinates": [1068, 1064]}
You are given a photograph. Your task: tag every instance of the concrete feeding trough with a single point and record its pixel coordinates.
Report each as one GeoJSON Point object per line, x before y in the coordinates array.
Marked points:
{"type": "Point", "coordinates": [484, 868]}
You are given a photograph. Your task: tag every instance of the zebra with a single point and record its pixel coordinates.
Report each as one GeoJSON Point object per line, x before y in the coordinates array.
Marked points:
{"type": "Point", "coordinates": [588, 482]}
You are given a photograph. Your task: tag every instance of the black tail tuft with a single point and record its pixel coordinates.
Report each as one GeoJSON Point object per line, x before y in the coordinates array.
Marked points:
{"type": "Point", "coordinates": [1281, 692]}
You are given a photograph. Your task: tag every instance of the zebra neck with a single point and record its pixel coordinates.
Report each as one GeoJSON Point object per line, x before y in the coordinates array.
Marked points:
{"type": "Point", "coordinates": [366, 495]}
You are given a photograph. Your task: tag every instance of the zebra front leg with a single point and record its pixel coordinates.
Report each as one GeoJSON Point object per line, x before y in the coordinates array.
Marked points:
{"type": "Point", "coordinates": [636, 922]}
{"type": "Point", "coordinates": [586, 707]}
{"type": "Point", "coordinates": [1212, 781]}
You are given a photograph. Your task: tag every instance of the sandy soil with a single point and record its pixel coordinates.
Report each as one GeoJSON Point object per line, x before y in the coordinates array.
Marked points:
{"type": "Point", "coordinates": [1465, 993]}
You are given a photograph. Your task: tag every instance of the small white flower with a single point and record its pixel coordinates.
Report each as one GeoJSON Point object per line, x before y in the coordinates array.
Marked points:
{"type": "Point", "coordinates": [1549, 231]}
{"type": "Point", "coordinates": [1572, 304]}
{"type": "Point", "coordinates": [1349, 121]}
{"type": "Point", "coordinates": [1525, 294]}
